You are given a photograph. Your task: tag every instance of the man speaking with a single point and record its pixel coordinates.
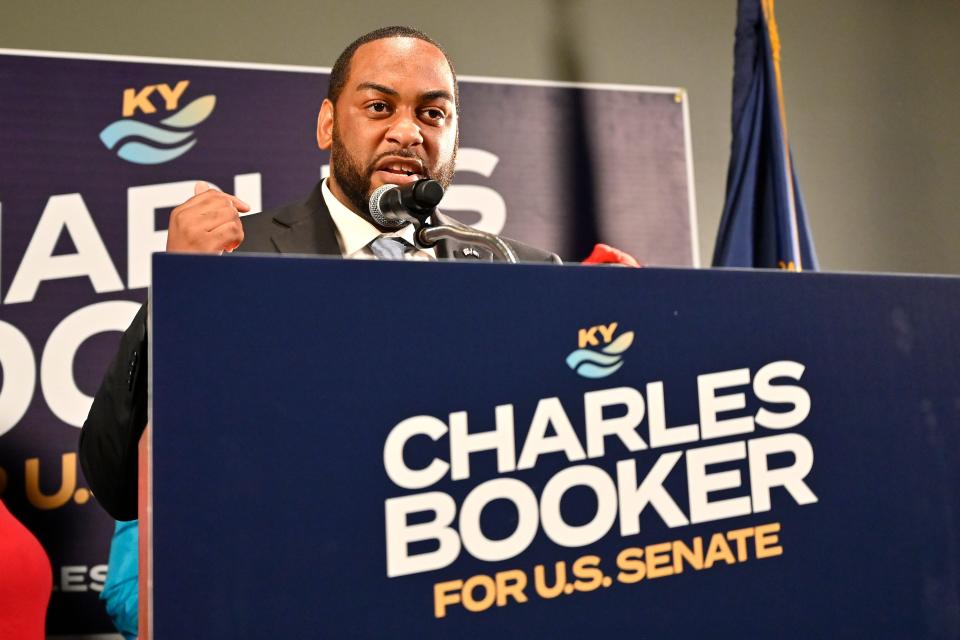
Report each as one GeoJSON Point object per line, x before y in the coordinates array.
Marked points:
{"type": "Point", "coordinates": [391, 117]}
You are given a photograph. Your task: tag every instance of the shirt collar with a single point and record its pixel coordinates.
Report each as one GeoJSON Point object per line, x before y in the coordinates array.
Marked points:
{"type": "Point", "coordinates": [353, 232]}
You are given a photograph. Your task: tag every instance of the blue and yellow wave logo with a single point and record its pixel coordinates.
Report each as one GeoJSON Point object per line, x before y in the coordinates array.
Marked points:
{"type": "Point", "coordinates": [602, 362]}
{"type": "Point", "coordinates": [142, 143]}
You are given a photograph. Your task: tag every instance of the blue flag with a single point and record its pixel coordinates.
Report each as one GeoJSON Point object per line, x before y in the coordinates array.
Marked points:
{"type": "Point", "coordinates": [764, 223]}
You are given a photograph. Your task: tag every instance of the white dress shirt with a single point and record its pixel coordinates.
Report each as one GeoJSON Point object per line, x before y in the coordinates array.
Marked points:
{"type": "Point", "coordinates": [355, 233]}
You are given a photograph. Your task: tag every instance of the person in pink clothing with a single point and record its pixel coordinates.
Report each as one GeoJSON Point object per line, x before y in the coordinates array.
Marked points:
{"type": "Point", "coordinates": [26, 581]}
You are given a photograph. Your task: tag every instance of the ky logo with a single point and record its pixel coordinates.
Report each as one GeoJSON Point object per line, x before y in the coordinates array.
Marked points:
{"type": "Point", "coordinates": [588, 337]}
{"type": "Point", "coordinates": [156, 142]}
{"type": "Point", "coordinates": [134, 100]}
{"type": "Point", "coordinates": [591, 363]}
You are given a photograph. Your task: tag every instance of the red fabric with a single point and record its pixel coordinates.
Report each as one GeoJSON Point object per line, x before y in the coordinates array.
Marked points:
{"type": "Point", "coordinates": [26, 581]}
{"type": "Point", "coordinates": [605, 254]}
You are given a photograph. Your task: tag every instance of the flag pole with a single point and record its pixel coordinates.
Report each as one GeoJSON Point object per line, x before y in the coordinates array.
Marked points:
{"type": "Point", "coordinates": [767, 6]}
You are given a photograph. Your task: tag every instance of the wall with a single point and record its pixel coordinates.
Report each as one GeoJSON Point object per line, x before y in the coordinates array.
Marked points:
{"type": "Point", "coordinates": [871, 85]}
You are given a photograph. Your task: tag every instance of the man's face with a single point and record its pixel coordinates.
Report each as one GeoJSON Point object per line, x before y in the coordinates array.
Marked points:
{"type": "Point", "coordinates": [395, 121]}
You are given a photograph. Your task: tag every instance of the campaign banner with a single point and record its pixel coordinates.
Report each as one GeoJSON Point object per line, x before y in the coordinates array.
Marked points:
{"type": "Point", "coordinates": [96, 150]}
{"type": "Point", "coordinates": [551, 452]}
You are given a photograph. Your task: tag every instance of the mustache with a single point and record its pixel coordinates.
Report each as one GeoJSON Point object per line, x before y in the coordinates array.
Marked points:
{"type": "Point", "coordinates": [399, 153]}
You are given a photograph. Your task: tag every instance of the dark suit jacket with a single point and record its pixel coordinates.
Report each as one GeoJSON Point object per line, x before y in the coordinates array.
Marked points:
{"type": "Point", "coordinates": [118, 415]}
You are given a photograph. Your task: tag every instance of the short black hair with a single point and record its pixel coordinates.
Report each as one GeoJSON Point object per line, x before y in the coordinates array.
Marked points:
{"type": "Point", "coordinates": [341, 68]}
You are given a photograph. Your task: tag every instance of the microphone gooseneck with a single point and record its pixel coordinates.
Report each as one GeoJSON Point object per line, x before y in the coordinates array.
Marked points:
{"type": "Point", "coordinates": [428, 236]}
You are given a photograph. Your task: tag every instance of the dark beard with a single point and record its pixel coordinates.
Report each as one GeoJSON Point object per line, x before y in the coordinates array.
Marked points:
{"type": "Point", "coordinates": [354, 180]}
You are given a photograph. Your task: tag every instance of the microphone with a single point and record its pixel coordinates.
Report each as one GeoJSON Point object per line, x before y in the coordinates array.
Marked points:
{"type": "Point", "coordinates": [393, 206]}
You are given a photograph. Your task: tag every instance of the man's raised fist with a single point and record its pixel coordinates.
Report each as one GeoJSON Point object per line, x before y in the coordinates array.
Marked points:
{"type": "Point", "coordinates": [209, 222]}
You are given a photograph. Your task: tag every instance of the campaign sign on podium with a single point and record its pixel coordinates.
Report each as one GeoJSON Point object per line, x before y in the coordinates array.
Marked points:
{"type": "Point", "coordinates": [424, 450]}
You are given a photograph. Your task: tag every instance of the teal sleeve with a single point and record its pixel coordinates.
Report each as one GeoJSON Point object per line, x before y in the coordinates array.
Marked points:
{"type": "Point", "coordinates": [120, 590]}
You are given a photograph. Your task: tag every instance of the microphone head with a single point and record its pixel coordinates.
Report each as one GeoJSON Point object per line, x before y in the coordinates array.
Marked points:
{"type": "Point", "coordinates": [427, 194]}
{"type": "Point", "coordinates": [377, 213]}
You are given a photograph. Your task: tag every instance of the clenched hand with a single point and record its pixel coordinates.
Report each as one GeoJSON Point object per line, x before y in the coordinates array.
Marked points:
{"type": "Point", "coordinates": [209, 222]}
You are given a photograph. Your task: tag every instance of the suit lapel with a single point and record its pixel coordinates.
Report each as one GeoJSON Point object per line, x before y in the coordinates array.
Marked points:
{"type": "Point", "coordinates": [306, 228]}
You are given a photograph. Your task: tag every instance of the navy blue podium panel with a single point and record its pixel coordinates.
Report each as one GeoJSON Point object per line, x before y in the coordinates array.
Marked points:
{"type": "Point", "coordinates": [367, 449]}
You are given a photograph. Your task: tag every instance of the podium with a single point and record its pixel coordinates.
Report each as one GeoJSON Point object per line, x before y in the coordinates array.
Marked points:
{"type": "Point", "coordinates": [345, 449]}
